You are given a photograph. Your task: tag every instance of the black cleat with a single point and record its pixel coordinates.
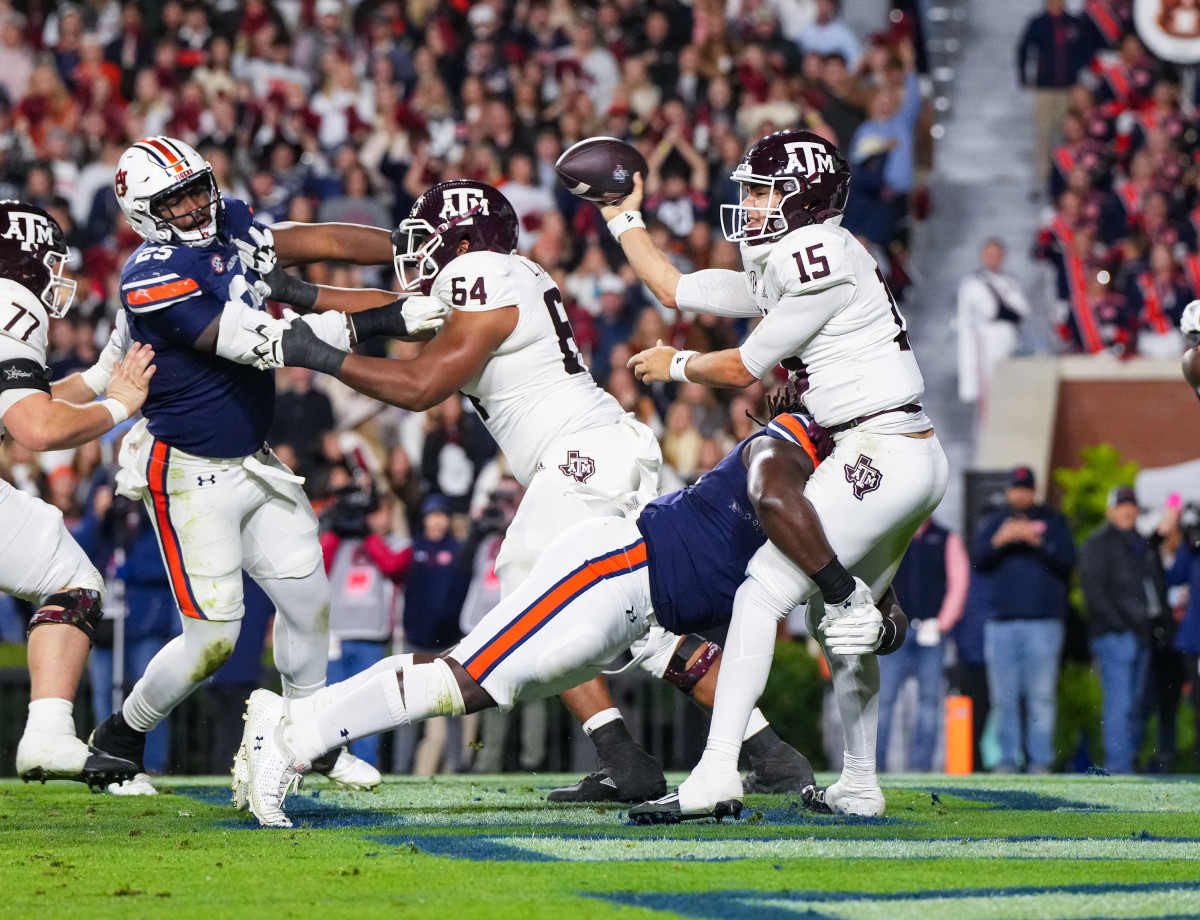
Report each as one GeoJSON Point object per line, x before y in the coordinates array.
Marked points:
{"type": "Point", "coordinates": [98, 771]}
{"type": "Point", "coordinates": [776, 768]}
{"type": "Point", "coordinates": [666, 810]}
{"type": "Point", "coordinates": [116, 737]}
{"type": "Point", "coordinates": [626, 774]}
{"type": "Point", "coordinates": [813, 798]}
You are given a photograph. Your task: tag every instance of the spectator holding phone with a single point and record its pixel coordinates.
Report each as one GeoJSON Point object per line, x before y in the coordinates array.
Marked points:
{"type": "Point", "coordinates": [1025, 552]}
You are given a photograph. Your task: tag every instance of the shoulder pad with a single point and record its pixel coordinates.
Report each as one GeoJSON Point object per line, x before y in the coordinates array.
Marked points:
{"type": "Point", "coordinates": [799, 428]}
{"type": "Point", "coordinates": [810, 259]}
{"type": "Point", "coordinates": [478, 281]}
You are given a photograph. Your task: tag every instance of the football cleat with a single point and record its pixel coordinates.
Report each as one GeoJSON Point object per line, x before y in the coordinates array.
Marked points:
{"type": "Point", "coordinates": [42, 756]}
{"type": "Point", "coordinates": [273, 774]}
{"type": "Point", "coordinates": [118, 738]}
{"type": "Point", "coordinates": [813, 798]}
{"type": "Point", "coordinates": [861, 801]}
{"type": "Point", "coordinates": [240, 784]}
{"type": "Point", "coordinates": [348, 771]}
{"type": "Point", "coordinates": [776, 768]}
{"type": "Point", "coordinates": [667, 810]}
{"type": "Point", "coordinates": [627, 774]}
{"type": "Point", "coordinates": [139, 785]}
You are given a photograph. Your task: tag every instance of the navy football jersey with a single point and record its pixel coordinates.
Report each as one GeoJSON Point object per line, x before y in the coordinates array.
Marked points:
{"type": "Point", "coordinates": [700, 540]}
{"type": "Point", "coordinates": [198, 402]}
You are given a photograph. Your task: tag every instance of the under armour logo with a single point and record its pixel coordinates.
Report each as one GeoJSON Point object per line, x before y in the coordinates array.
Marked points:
{"type": "Point", "coordinates": [212, 480]}
{"type": "Point", "coordinates": [258, 742]}
{"type": "Point", "coordinates": [862, 476]}
{"type": "Point", "coordinates": [578, 467]}
{"type": "Point", "coordinates": [345, 733]}
{"type": "Point", "coordinates": [630, 615]}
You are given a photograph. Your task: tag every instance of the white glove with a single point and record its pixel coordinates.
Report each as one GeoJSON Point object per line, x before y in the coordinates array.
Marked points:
{"type": "Point", "coordinates": [855, 626]}
{"type": "Point", "coordinates": [1189, 323]}
{"type": "Point", "coordinates": [331, 328]}
{"type": "Point", "coordinates": [258, 253]}
{"type": "Point", "coordinates": [423, 313]}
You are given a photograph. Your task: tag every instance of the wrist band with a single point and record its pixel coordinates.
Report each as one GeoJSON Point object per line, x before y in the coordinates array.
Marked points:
{"type": "Point", "coordinates": [677, 366]}
{"type": "Point", "coordinates": [626, 220]}
{"type": "Point", "coordinates": [97, 378]}
{"type": "Point", "coordinates": [116, 409]}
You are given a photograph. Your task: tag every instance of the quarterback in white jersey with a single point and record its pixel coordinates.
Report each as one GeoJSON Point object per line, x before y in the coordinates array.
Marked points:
{"type": "Point", "coordinates": [39, 560]}
{"type": "Point", "coordinates": [828, 318]}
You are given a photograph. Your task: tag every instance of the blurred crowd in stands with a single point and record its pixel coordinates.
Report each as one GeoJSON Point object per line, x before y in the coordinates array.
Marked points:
{"type": "Point", "coordinates": [1117, 147]}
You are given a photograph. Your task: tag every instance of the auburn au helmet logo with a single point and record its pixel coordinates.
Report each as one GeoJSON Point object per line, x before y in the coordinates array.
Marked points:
{"type": "Point", "coordinates": [122, 186]}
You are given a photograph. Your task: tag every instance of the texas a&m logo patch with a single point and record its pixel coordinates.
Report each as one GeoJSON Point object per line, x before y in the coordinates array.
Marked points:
{"type": "Point", "coordinates": [863, 477]}
{"type": "Point", "coordinates": [578, 467]}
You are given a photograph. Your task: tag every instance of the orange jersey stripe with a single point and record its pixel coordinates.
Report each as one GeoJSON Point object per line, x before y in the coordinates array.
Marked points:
{"type": "Point", "coordinates": [549, 603]}
{"type": "Point", "coordinates": [166, 291]}
{"type": "Point", "coordinates": [166, 533]}
{"type": "Point", "coordinates": [788, 422]}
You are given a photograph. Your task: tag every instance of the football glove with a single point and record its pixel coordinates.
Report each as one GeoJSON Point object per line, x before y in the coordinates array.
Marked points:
{"type": "Point", "coordinates": [424, 314]}
{"type": "Point", "coordinates": [258, 252]}
{"type": "Point", "coordinates": [855, 626]}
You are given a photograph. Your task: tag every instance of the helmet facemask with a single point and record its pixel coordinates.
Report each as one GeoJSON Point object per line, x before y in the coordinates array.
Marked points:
{"type": "Point", "coordinates": [414, 243]}
{"type": "Point", "coordinates": [735, 218]}
{"type": "Point", "coordinates": [59, 292]}
{"type": "Point", "coordinates": [167, 210]}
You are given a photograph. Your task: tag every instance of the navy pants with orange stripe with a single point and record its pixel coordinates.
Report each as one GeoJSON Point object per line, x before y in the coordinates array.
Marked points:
{"type": "Point", "coordinates": [585, 602]}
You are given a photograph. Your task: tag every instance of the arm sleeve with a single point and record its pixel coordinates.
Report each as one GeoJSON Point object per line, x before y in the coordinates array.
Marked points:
{"type": "Point", "coordinates": [790, 326]}
{"type": "Point", "coordinates": [717, 292]}
{"type": "Point", "coordinates": [22, 372]}
{"type": "Point", "coordinates": [99, 374]}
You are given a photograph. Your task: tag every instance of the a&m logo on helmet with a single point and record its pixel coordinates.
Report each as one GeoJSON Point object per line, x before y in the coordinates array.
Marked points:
{"type": "Point", "coordinates": [808, 157]}
{"type": "Point", "coordinates": [456, 201]}
{"type": "Point", "coordinates": [30, 230]}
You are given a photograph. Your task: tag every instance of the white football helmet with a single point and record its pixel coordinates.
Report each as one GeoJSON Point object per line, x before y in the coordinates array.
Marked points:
{"type": "Point", "coordinates": [168, 192]}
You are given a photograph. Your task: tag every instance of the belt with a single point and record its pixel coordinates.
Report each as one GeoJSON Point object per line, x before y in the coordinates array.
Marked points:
{"type": "Point", "coordinates": [910, 408]}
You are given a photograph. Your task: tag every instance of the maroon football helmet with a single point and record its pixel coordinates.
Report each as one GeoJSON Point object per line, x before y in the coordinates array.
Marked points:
{"type": "Point", "coordinates": [441, 219]}
{"type": "Point", "coordinates": [33, 253]}
{"type": "Point", "coordinates": [809, 173]}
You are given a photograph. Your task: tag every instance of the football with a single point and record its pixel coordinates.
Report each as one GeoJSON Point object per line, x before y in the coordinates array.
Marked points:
{"type": "Point", "coordinates": [600, 169]}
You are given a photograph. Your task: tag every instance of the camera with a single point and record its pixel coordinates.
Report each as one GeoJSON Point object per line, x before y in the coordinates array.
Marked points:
{"type": "Point", "coordinates": [497, 515]}
{"type": "Point", "coordinates": [352, 505]}
{"type": "Point", "coordinates": [1189, 525]}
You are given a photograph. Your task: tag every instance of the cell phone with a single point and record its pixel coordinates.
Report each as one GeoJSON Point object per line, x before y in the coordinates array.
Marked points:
{"type": "Point", "coordinates": [1174, 500]}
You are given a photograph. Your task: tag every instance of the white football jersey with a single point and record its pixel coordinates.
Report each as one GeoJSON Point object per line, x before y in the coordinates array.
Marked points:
{"type": "Point", "coordinates": [24, 324]}
{"type": "Point", "coordinates": [827, 313]}
{"type": "Point", "coordinates": [535, 388]}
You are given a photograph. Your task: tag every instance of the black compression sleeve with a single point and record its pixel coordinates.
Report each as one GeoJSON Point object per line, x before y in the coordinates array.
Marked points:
{"type": "Point", "coordinates": [835, 583]}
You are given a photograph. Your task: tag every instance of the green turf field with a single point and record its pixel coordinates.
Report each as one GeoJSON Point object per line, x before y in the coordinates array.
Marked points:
{"type": "Point", "coordinates": [950, 848]}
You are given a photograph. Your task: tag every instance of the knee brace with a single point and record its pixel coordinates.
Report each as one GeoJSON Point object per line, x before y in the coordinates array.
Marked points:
{"type": "Point", "coordinates": [679, 674]}
{"type": "Point", "coordinates": [82, 608]}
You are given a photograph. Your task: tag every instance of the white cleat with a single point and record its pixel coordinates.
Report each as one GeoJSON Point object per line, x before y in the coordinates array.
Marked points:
{"type": "Point", "coordinates": [139, 785]}
{"type": "Point", "coordinates": [240, 784]}
{"type": "Point", "coordinates": [352, 772]}
{"type": "Point", "coordinates": [704, 794]}
{"type": "Point", "coordinates": [273, 774]}
{"type": "Point", "coordinates": [862, 801]}
{"type": "Point", "coordinates": [53, 755]}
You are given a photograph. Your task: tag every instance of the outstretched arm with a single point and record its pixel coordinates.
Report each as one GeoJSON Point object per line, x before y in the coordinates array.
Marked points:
{"type": "Point", "coordinates": [300, 244]}
{"type": "Point", "coordinates": [650, 263]}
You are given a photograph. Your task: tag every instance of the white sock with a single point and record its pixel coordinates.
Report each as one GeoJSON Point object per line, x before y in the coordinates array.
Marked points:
{"type": "Point", "coordinates": [374, 706]}
{"type": "Point", "coordinates": [745, 664]}
{"type": "Point", "coordinates": [756, 724]}
{"type": "Point", "coordinates": [602, 718]}
{"type": "Point", "coordinates": [858, 771]}
{"type": "Point", "coordinates": [51, 716]}
{"type": "Point", "coordinates": [300, 710]}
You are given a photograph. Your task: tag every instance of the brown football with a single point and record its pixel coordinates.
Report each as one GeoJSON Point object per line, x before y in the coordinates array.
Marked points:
{"type": "Point", "coordinates": [600, 169]}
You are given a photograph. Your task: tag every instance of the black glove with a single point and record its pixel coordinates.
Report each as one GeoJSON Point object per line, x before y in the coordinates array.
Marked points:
{"type": "Point", "coordinates": [289, 289]}
{"type": "Point", "coordinates": [300, 347]}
